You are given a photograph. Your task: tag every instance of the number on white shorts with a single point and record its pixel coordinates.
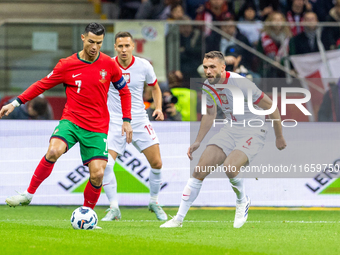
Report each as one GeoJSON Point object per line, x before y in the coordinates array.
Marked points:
{"type": "Point", "coordinates": [149, 129]}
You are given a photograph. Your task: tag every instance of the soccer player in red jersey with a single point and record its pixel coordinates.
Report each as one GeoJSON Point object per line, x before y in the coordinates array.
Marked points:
{"type": "Point", "coordinates": [86, 76]}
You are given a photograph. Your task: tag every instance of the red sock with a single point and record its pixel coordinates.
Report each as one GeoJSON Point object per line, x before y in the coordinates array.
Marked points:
{"type": "Point", "coordinates": [42, 171]}
{"type": "Point", "coordinates": [91, 194]}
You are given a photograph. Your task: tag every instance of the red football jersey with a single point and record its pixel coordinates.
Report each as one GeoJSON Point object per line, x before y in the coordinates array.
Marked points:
{"type": "Point", "coordinates": [86, 87]}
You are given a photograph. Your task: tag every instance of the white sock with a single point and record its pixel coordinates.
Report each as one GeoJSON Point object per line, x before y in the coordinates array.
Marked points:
{"type": "Point", "coordinates": [155, 180]}
{"type": "Point", "coordinates": [110, 183]}
{"type": "Point", "coordinates": [190, 192]}
{"type": "Point", "coordinates": [238, 187]}
{"type": "Point", "coordinates": [28, 195]}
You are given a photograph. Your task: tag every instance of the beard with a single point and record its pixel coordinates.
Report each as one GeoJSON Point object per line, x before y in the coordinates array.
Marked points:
{"type": "Point", "coordinates": [214, 80]}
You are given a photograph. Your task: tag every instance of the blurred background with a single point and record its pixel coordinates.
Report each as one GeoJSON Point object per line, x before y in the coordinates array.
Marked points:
{"type": "Point", "coordinates": [275, 43]}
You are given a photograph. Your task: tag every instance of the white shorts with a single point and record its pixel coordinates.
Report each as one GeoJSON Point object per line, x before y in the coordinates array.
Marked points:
{"type": "Point", "coordinates": [250, 141]}
{"type": "Point", "coordinates": [143, 136]}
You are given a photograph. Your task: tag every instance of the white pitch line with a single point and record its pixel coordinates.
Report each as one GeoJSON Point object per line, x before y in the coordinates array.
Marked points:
{"type": "Point", "coordinates": [191, 221]}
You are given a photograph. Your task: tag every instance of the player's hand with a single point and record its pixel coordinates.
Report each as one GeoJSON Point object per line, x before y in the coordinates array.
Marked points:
{"type": "Point", "coordinates": [6, 110]}
{"type": "Point", "coordinates": [192, 148]}
{"type": "Point", "coordinates": [280, 143]}
{"type": "Point", "coordinates": [158, 114]}
{"type": "Point", "coordinates": [126, 128]}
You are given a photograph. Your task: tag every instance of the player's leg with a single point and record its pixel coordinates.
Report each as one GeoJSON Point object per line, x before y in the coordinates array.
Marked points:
{"type": "Point", "coordinates": [146, 141]}
{"type": "Point", "coordinates": [235, 160]}
{"type": "Point", "coordinates": [211, 156]}
{"type": "Point", "coordinates": [247, 147]}
{"type": "Point", "coordinates": [94, 153]}
{"type": "Point", "coordinates": [116, 145]}
{"type": "Point", "coordinates": [94, 185]}
{"type": "Point", "coordinates": [60, 141]}
{"type": "Point", "coordinates": [110, 188]}
{"type": "Point", "coordinates": [153, 155]}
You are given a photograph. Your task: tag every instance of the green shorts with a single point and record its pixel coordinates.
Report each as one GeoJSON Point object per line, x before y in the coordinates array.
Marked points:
{"type": "Point", "coordinates": [92, 145]}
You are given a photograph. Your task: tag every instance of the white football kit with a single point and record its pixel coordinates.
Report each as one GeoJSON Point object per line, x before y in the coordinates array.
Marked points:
{"type": "Point", "coordinates": [236, 133]}
{"type": "Point", "coordinates": [138, 72]}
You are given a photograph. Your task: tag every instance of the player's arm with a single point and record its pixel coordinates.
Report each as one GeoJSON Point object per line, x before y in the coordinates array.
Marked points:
{"type": "Point", "coordinates": [54, 78]}
{"type": "Point", "coordinates": [151, 80]}
{"type": "Point", "coordinates": [266, 103]}
{"type": "Point", "coordinates": [157, 99]}
{"type": "Point", "coordinates": [125, 99]}
{"type": "Point", "coordinates": [206, 123]}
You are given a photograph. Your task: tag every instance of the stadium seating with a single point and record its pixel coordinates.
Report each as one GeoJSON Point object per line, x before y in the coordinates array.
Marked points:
{"type": "Point", "coordinates": [47, 9]}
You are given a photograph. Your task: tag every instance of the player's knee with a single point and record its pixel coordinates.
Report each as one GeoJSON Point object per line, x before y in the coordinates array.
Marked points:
{"type": "Point", "coordinates": [97, 178]}
{"type": "Point", "coordinates": [157, 164]}
{"type": "Point", "coordinates": [53, 154]}
{"type": "Point", "coordinates": [198, 175]}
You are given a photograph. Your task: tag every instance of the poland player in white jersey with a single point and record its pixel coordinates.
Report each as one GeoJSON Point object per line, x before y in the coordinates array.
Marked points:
{"type": "Point", "coordinates": [234, 146]}
{"type": "Point", "coordinates": [248, 139]}
{"type": "Point", "coordinates": [136, 72]}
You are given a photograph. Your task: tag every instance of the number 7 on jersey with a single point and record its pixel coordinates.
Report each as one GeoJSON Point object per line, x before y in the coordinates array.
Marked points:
{"type": "Point", "coordinates": [78, 83]}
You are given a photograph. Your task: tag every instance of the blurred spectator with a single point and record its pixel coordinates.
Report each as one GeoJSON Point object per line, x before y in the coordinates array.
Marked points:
{"type": "Point", "coordinates": [295, 14]}
{"type": "Point", "coordinates": [155, 9]}
{"type": "Point", "coordinates": [251, 31]}
{"type": "Point", "coordinates": [129, 8]}
{"type": "Point", "coordinates": [248, 12]}
{"type": "Point", "coordinates": [187, 98]}
{"type": "Point", "coordinates": [267, 7]}
{"type": "Point", "coordinates": [330, 108]}
{"type": "Point", "coordinates": [233, 58]}
{"type": "Point", "coordinates": [110, 8]}
{"type": "Point", "coordinates": [310, 39]}
{"type": "Point", "coordinates": [175, 79]}
{"type": "Point", "coordinates": [322, 7]}
{"type": "Point", "coordinates": [168, 108]}
{"type": "Point", "coordinates": [219, 43]}
{"type": "Point", "coordinates": [147, 97]}
{"type": "Point", "coordinates": [214, 10]}
{"type": "Point", "coordinates": [36, 109]}
{"type": "Point", "coordinates": [190, 51]}
{"type": "Point", "coordinates": [283, 6]}
{"type": "Point", "coordinates": [274, 43]}
{"type": "Point", "coordinates": [192, 7]}
{"type": "Point", "coordinates": [176, 12]}
{"type": "Point", "coordinates": [334, 32]}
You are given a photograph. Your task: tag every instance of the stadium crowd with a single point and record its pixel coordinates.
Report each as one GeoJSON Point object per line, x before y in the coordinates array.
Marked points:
{"type": "Point", "coordinates": [276, 41]}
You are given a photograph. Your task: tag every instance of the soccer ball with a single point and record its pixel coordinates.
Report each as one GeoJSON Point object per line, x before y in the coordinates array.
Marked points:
{"type": "Point", "coordinates": [84, 218]}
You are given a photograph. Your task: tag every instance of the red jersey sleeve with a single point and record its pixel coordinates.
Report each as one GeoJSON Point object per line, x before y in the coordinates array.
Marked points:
{"type": "Point", "coordinates": [117, 73]}
{"type": "Point", "coordinates": [51, 80]}
{"type": "Point", "coordinates": [125, 99]}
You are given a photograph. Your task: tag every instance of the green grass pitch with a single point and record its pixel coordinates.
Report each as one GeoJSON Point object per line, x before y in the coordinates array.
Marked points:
{"type": "Point", "coordinates": [47, 230]}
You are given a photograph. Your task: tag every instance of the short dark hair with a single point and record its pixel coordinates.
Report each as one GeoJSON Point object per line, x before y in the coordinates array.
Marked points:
{"type": "Point", "coordinates": [215, 54]}
{"type": "Point", "coordinates": [122, 35]}
{"type": "Point", "coordinates": [95, 28]}
{"type": "Point", "coordinates": [39, 104]}
{"type": "Point", "coordinates": [310, 12]}
{"type": "Point", "coordinates": [174, 6]}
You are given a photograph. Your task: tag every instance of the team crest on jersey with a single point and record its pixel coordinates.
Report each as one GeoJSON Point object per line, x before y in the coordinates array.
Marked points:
{"type": "Point", "coordinates": [126, 77]}
{"type": "Point", "coordinates": [103, 74]}
{"type": "Point", "coordinates": [224, 98]}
